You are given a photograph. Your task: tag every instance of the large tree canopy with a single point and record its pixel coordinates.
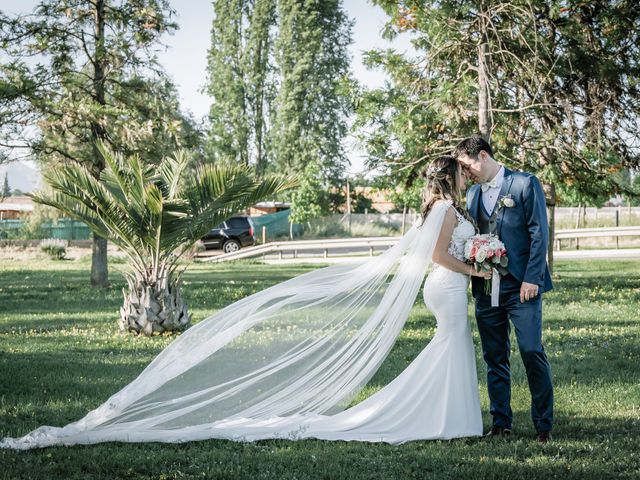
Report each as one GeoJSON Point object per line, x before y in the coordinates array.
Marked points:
{"type": "Point", "coordinates": [558, 81]}
{"type": "Point", "coordinates": [82, 71]}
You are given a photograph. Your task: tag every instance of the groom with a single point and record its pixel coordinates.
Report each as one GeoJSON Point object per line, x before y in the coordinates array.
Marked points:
{"type": "Point", "coordinates": [512, 206]}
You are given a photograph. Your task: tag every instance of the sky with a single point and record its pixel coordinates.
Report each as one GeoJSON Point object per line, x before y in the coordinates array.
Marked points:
{"type": "Point", "coordinates": [185, 59]}
{"type": "Point", "coordinates": [185, 55]}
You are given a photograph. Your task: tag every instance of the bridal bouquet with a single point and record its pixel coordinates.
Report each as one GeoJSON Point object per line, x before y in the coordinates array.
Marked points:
{"type": "Point", "coordinates": [485, 252]}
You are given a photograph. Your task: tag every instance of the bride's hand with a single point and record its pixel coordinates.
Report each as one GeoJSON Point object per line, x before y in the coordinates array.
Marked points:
{"type": "Point", "coordinates": [482, 273]}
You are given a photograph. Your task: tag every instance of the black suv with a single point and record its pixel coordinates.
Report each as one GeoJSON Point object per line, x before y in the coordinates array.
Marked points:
{"type": "Point", "coordinates": [231, 235]}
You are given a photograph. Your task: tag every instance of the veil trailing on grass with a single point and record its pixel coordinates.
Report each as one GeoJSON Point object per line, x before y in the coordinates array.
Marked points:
{"type": "Point", "coordinates": [305, 346]}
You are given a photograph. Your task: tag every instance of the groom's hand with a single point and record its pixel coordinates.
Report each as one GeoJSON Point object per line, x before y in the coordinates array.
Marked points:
{"type": "Point", "coordinates": [528, 291]}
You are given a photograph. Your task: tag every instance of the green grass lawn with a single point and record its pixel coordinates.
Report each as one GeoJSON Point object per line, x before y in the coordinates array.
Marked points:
{"type": "Point", "coordinates": [61, 355]}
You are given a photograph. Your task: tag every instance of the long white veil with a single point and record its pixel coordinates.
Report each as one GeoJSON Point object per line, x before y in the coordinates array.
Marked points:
{"type": "Point", "coordinates": [304, 346]}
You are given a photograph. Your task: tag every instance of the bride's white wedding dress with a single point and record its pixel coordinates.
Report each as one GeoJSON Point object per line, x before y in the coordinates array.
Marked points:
{"type": "Point", "coordinates": [435, 397]}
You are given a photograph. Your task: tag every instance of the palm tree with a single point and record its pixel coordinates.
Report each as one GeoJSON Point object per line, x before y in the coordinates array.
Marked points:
{"type": "Point", "coordinates": [155, 214]}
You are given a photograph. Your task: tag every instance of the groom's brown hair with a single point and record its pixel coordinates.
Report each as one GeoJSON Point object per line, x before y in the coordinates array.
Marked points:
{"type": "Point", "coordinates": [472, 146]}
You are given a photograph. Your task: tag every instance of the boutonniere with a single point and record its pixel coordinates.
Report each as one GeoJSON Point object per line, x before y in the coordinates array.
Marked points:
{"type": "Point", "coordinates": [506, 201]}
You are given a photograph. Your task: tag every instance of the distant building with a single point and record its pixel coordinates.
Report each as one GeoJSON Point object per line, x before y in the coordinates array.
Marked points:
{"type": "Point", "coordinates": [379, 200]}
{"type": "Point", "coordinates": [264, 208]}
{"type": "Point", "coordinates": [616, 201]}
{"type": "Point", "coordinates": [12, 208]}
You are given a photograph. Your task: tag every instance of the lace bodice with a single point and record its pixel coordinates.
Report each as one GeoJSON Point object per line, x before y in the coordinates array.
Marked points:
{"type": "Point", "coordinates": [461, 233]}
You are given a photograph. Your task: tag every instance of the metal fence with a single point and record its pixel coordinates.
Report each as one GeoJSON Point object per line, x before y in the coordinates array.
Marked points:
{"type": "Point", "coordinates": [277, 225]}
{"type": "Point", "coordinates": [591, 217]}
{"type": "Point", "coordinates": [63, 228]}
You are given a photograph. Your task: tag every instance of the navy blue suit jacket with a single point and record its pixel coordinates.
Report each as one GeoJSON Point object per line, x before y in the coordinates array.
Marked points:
{"type": "Point", "coordinates": [523, 228]}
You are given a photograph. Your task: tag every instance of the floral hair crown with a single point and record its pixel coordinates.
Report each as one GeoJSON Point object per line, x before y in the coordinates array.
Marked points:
{"type": "Point", "coordinates": [433, 171]}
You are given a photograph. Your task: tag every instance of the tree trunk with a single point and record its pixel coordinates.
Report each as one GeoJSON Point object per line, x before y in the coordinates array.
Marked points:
{"type": "Point", "coordinates": [259, 120]}
{"type": "Point", "coordinates": [550, 198]}
{"type": "Point", "coordinates": [484, 96]}
{"type": "Point", "coordinates": [150, 309]}
{"type": "Point", "coordinates": [99, 265]}
{"type": "Point", "coordinates": [348, 208]}
{"type": "Point", "coordinates": [404, 218]}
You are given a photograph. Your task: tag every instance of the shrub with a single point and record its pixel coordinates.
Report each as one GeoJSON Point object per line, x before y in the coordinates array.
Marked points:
{"type": "Point", "coordinates": [56, 248]}
{"type": "Point", "coordinates": [325, 227]}
{"type": "Point", "coordinates": [375, 229]}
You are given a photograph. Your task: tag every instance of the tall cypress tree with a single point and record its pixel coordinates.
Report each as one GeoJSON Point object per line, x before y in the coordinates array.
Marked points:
{"type": "Point", "coordinates": [260, 78]}
{"type": "Point", "coordinates": [228, 134]}
{"type": "Point", "coordinates": [311, 108]}
{"type": "Point", "coordinates": [238, 83]}
{"type": "Point", "coordinates": [276, 76]}
{"type": "Point", "coordinates": [6, 190]}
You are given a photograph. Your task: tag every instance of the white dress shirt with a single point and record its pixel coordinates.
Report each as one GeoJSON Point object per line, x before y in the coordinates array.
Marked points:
{"type": "Point", "coordinates": [490, 196]}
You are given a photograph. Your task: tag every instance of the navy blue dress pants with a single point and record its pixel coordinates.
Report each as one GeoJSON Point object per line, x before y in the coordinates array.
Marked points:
{"type": "Point", "coordinates": [494, 327]}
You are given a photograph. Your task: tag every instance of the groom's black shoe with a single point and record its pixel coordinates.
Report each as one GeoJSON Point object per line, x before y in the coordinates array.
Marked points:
{"type": "Point", "coordinates": [543, 437]}
{"type": "Point", "coordinates": [497, 432]}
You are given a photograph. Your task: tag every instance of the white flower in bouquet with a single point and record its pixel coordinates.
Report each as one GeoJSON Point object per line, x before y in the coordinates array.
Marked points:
{"type": "Point", "coordinates": [467, 249]}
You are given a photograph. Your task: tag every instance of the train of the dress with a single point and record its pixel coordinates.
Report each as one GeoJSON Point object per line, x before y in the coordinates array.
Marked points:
{"type": "Point", "coordinates": [296, 353]}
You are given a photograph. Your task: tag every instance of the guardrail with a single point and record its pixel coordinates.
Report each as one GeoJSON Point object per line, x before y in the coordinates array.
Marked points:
{"type": "Point", "coordinates": [597, 232]}
{"type": "Point", "coordinates": [577, 233]}
{"type": "Point", "coordinates": [325, 245]}
{"type": "Point", "coordinates": [305, 245]}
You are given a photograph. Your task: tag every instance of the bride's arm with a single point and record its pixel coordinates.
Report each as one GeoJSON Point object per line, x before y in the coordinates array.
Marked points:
{"type": "Point", "coordinates": [441, 254]}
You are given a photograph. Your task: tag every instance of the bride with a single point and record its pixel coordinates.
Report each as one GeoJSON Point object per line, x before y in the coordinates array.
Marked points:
{"type": "Point", "coordinates": [287, 362]}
